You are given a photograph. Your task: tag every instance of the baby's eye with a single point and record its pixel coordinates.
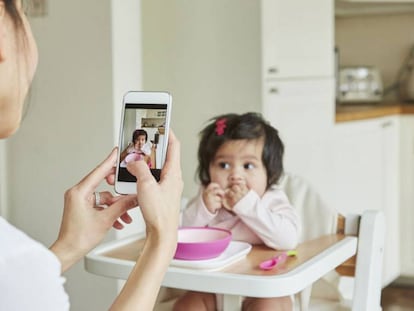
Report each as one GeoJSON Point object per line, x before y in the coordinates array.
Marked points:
{"type": "Point", "coordinates": [224, 165]}
{"type": "Point", "coordinates": [249, 166]}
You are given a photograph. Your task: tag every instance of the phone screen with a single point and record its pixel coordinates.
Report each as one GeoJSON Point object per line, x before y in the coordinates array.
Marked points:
{"type": "Point", "coordinates": [143, 138]}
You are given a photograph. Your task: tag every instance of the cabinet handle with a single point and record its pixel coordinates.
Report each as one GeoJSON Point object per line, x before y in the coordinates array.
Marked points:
{"type": "Point", "coordinates": [413, 148]}
{"type": "Point", "coordinates": [272, 70]}
{"type": "Point", "coordinates": [273, 90]}
{"type": "Point", "coordinates": [386, 124]}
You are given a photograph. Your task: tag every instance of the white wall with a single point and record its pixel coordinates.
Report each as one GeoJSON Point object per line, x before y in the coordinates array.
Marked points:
{"type": "Point", "coordinates": [207, 54]}
{"type": "Point", "coordinates": [85, 66]}
{"type": "Point", "coordinates": [126, 70]}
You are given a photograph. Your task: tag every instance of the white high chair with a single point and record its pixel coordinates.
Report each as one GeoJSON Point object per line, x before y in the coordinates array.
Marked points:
{"type": "Point", "coordinates": [364, 270]}
{"type": "Point", "coordinates": [318, 220]}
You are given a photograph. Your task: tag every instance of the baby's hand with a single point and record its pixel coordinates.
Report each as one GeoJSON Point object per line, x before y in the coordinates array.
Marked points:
{"type": "Point", "coordinates": [212, 197]}
{"type": "Point", "coordinates": [234, 194]}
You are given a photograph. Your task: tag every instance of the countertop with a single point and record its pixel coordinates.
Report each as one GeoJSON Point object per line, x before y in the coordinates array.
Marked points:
{"type": "Point", "coordinates": [354, 112]}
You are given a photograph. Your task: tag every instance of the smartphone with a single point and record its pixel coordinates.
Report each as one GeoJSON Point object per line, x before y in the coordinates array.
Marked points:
{"type": "Point", "coordinates": [143, 135]}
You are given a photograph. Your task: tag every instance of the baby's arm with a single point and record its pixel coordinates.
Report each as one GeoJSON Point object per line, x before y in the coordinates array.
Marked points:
{"type": "Point", "coordinates": [271, 217]}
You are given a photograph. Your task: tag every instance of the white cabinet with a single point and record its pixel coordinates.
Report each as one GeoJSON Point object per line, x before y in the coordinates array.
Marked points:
{"type": "Point", "coordinates": [358, 166]}
{"type": "Point", "coordinates": [407, 195]}
{"type": "Point", "coordinates": [297, 38]}
{"type": "Point", "coordinates": [298, 90]}
{"type": "Point", "coordinates": [303, 112]}
{"type": "Point", "coordinates": [299, 104]}
{"type": "Point", "coordinates": [366, 177]}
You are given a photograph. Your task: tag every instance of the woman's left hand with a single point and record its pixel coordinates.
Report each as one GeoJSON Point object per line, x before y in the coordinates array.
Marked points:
{"type": "Point", "coordinates": [85, 224]}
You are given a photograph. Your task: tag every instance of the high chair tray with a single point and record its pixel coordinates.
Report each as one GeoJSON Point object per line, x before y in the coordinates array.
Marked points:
{"type": "Point", "coordinates": [240, 277]}
{"type": "Point", "coordinates": [314, 259]}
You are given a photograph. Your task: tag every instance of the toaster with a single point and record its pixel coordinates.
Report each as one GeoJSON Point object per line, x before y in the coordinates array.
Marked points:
{"type": "Point", "coordinates": [359, 84]}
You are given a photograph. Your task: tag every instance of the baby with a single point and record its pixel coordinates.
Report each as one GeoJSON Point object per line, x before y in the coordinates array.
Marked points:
{"type": "Point", "coordinates": [138, 149]}
{"type": "Point", "coordinates": [240, 162]}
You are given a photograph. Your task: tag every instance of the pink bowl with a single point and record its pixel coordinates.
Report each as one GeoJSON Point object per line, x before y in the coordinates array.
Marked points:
{"type": "Point", "coordinates": [198, 243]}
{"type": "Point", "coordinates": [133, 157]}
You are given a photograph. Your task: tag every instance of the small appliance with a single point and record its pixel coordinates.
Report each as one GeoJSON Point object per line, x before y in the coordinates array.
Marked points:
{"type": "Point", "coordinates": [359, 84]}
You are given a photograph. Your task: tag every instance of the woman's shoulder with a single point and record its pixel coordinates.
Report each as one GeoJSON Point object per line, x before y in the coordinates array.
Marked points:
{"type": "Point", "coordinates": [24, 261]}
{"type": "Point", "coordinates": [14, 242]}
{"type": "Point", "coordinates": [10, 235]}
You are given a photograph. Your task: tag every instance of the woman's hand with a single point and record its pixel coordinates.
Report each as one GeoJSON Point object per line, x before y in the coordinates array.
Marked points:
{"type": "Point", "coordinates": [160, 201]}
{"type": "Point", "coordinates": [84, 225]}
{"type": "Point", "coordinates": [160, 207]}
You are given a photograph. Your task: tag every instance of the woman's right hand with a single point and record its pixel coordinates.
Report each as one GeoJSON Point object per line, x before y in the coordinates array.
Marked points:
{"type": "Point", "coordinates": [160, 206]}
{"type": "Point", "coordinates": [160, 201]}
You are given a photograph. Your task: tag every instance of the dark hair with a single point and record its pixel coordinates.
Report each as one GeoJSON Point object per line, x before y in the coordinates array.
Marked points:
{"type": "Point", "coordinates": [11, 9]}
{"type": "Point", "coordinates": [250, 126]}
{"type": "Point", "coordinates": [137, 133]}
{"type": "Point", "coordinates": [21, 38]}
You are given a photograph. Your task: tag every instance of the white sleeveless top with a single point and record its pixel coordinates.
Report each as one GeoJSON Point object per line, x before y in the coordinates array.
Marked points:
{"type": "Point", "coordinates": [30, 274]}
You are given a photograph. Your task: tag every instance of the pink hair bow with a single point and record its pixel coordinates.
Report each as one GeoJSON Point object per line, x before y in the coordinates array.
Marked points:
{"type": "Point", "coordinates": [220, 126]}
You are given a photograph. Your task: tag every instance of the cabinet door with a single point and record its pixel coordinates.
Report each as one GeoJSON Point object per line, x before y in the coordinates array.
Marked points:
{"type": "Point", "coordinates": [297, 38]}
{"type": "Point", "coordinates": [391, 201]}
{"type": "Point", "coordinates": [358, 168]}
{"type": "Point", "coordinates": [300, 107]}
{"type": "Point", "coordinates": [366, 177]}
{"type": "Point", "coordinates": [407, 195]}
{"type": "Point", "coordinates": [303, 112]}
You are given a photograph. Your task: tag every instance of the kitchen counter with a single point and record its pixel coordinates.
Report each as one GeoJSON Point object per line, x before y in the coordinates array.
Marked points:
{"type": "Point", "coordinates": [354, 112]}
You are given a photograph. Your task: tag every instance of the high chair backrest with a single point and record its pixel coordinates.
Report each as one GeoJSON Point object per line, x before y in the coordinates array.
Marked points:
{"type": "Point", "coordinates": [316, 216]}
{"type": "Point", "coordinates": [318, 219]}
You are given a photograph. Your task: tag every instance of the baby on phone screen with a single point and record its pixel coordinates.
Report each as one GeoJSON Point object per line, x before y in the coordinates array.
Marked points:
{"type": "Point", "coordinates": [137, 149]}
{"type": "Point", "coordinates": [240, 163]}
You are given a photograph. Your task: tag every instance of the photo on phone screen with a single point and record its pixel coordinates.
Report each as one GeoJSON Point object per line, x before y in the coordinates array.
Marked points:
{"type": "Point", "coordinates": [143, 138]}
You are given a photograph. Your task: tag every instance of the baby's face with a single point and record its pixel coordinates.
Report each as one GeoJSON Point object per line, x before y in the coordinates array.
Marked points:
{"type": "Point", "coordinates": [140, 142]}
{"type": "Point", "coordinates": [240, 161]}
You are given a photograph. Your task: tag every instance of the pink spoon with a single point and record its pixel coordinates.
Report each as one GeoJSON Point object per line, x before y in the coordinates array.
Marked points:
{"type": "Point", "coordinates": [278, 259]}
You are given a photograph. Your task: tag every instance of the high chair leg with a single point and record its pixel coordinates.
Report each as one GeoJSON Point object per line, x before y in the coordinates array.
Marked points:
{"type": "Point", "coordinates": [367, 291]}
{"type": "Point", "coordinates": [231, 302]}
{"type": "Point", "coordinates": [304, 298]}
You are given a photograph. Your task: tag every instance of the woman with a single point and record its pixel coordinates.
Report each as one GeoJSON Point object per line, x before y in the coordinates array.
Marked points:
{"type": "Point", "coordinates": [30, 274]}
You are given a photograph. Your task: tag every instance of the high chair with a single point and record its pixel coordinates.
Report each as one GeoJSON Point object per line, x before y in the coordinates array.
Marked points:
{"type": "Point", "coordinates": [318, 220]}
{"type": "Point", "coordinates": [329, 242]}
{"type": "Point", "coordinates": [363, 270]}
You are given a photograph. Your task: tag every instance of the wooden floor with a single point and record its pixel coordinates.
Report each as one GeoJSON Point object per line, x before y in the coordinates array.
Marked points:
{"type": "Point", "coordinates": [398, 298]}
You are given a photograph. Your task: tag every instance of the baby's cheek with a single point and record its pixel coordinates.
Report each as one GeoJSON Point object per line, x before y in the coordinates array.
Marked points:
{"type": "Point", "coordinates": [220, 181]}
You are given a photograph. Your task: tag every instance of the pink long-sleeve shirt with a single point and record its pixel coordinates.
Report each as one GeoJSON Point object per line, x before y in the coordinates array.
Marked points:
{"type": "Point", "coordinates": [269, 220]}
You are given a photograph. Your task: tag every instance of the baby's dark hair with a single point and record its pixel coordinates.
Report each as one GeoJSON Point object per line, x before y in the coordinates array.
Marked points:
{"type": "Point", "coordinates": [250, 126]}
{"type": "Point", "coordinates": [138, 133]}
